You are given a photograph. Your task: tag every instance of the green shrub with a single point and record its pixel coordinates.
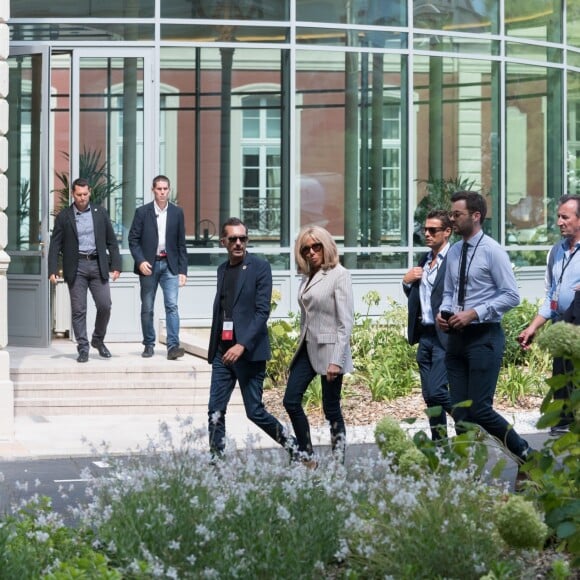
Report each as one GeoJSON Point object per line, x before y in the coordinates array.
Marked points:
{"type": "Point", "coordinates": [520, 524]}
{"type": "Point", "coordinates": [383, 359]}
{"type": "Point", "coordinates": [555, 472]}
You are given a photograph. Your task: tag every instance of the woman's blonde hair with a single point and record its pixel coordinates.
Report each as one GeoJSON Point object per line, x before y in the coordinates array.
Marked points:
{"type": "Point", "coordinates": [329, 249]}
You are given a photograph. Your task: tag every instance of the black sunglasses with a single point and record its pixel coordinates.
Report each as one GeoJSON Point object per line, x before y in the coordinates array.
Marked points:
{"type": "Point", "coordinates": [234, 239]}
{"type": "Point", "coordinates": [305, 250]}
{"type": "Point", "coordinates": [433, 231]}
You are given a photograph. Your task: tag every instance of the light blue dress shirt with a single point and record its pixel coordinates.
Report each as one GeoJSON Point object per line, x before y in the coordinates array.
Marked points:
{"type": "Point", "coordinates": [569, 261]}
{"type": "Point", "coordinates": [85, 231]}
{"type": "Point", "coordinates": [491, 287]}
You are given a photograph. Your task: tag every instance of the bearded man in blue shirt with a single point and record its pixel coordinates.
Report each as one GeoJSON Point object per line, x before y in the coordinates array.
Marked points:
{"type": "Point", "coordinates": [480, 287]}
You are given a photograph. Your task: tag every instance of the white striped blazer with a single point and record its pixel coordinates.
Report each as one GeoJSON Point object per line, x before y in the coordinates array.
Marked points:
{"type": "Point", "coordinates": [327, 315]}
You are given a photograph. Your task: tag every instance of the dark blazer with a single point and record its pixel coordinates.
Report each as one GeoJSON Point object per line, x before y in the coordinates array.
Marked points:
{"type": "Point", "coordinates": [65, 240]}
{"type": "Point", "coordinates": [414, 303]}
{"type": "Point", "coordinates": [144, 238]}
{"type": "Point", "coordinates": [572, 313]}
{"type": "Point", "coordinates": [250, 311]}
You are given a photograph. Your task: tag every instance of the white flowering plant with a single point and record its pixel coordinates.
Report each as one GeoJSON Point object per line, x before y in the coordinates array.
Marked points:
{"type": "Point", "coordinates": [169, 512]}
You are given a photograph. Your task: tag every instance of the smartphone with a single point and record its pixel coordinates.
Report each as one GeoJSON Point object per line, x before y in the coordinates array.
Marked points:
{"type": "Point", "coordinates": [446, 314]}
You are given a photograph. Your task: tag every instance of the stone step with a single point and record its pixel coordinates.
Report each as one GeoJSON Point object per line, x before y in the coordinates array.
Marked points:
{"type": "Point", "coordinates": [51, 382]}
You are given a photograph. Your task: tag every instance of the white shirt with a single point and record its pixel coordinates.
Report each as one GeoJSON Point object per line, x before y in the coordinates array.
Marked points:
{"type": "Point", "coordinates": [161, 226]}
{"type": "Point", "coordinates": [427, 281]}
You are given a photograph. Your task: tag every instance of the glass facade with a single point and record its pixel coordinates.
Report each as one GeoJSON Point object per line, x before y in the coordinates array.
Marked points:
{"type": "Point", "coordinates": [343, 113]}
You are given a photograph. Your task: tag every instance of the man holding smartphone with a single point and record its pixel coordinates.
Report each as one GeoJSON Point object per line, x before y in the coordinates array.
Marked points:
{"type": "Point", "coordinates": [423, 286]}
{"type": "Point", "coordinates": [480, 287]}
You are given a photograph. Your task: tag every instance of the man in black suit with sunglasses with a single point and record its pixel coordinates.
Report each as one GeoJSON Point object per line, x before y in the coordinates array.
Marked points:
{"type": "Point", "coordinates": [239, 345]}
{"type": "Point", "coordinates": [423, 286]}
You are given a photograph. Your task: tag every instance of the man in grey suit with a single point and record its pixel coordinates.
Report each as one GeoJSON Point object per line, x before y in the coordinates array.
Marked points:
{"type": "Point", "coordinates": [157, 244]}
{"type": "Point", "coordinates": [84, 235]}
{"type": "Point", "coordinates": [239, 345]}
{"type": "Point", "coordinates": [423, 286]}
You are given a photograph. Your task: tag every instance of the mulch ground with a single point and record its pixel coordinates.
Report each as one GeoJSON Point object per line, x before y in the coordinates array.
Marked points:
{"type": "Point", "coordinates": [359, 409]}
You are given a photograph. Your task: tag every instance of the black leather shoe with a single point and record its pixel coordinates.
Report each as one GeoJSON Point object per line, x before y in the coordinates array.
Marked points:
{"type": "Point", "coordinates": [175, 352]}
{"type": "Point", "coordinates": [83, 356]}
{"type": "Point", "coordinates": [148, 351]}
{"type": "Point", "coordinates": [103, 350]}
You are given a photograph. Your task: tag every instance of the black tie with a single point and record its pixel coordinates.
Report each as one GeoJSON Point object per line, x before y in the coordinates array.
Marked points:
{"type": "Point", "coordinates": [462, 280]}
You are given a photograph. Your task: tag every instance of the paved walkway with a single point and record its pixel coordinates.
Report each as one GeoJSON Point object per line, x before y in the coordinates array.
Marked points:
{"type": "Point", "coordinates": [79, 435]}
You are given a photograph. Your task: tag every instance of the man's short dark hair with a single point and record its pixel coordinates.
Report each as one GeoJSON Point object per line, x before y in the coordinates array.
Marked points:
{"type": "Point", "coordinates": [567, 198]}
{"type": "Point", "coordinates": [474, 201]}
{"type": "Point", "coordinates": [233, 221]}
{"type": "Point", "coordinates": [80, 182]}
{"type": "Point", "coordinates": [161, 178]}
{"type": "Point", "coordinates": [442, 215]}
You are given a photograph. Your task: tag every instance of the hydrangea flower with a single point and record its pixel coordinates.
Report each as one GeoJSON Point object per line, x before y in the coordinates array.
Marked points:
{"type": "Point", "coordinates": [561, 339]}
{"type": "Point", "coordinates": [520, 524]}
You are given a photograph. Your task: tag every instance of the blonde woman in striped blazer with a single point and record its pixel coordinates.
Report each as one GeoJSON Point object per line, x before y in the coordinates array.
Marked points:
{"type": "Point", "coordinates": [326, 319]}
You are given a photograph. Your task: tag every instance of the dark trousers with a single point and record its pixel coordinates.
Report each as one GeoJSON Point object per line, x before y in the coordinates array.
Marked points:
{"type": "Point", "coordinates": [250, 375]}
{"type": "Point", "coordinates": [88, 278]}
{"type": "Point", "coordinates": [301, 375]}
{"type": "Point", "coordinates": [433, 372]}
{"type": "Point", "coordinates": [473, 360]}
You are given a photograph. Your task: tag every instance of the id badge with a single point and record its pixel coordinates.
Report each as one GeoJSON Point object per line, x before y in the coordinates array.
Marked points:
{"type": "Point", "coordinates": [228, 330]}
{"type": "Point", "coordinates": [554, 301]}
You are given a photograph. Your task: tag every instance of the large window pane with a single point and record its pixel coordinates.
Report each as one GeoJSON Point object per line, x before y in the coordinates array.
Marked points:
{"type": "Point", "coordinates": [573, 23]}
{"type": "Point", "coordinates": [216, 33]}
{"type": "Point", "coordinates": [533, 153]}
{"type": "Point", "coordinates": [534, 19]}
{"type": "Point", "coordinates": [88, 32]}
{"type": "Point", "coordinates": [351, 162]}
{"type": "Point", "coordinates": [573, 168]}
{"type": "Point", "coordinates": [479, 17]}
{"type": "Point", "coordinates": [228, 9]}
{"type": "Point", "coordinates": [83, 9]}
{"type": "Point", "coordinates": [222, 140]}
{"type": "Point", "coordinates": [455, 134]}
{"type": "Point", "coordinates": [378, 12]}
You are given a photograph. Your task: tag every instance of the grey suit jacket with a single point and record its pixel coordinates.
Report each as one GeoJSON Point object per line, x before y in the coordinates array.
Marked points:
{"type": "Point", "coordinates": [327, 316]}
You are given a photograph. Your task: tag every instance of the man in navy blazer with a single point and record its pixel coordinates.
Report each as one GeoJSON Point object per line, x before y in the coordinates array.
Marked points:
{"type": "Point", "coordinates": [157, 244]}
{"type": "Point", "coordinates": [84, 235]}
{"type": "Point", "coordinates": [423, 286]}
{"type": "Point", "coordinates": [239, 345]}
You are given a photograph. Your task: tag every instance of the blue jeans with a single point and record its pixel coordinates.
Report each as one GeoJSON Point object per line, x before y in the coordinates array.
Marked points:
{"type": "Point", "coordinates": [169, 283]}
{"type": "Point", "coordinates": [473, 363]}
{"type": "Point", "coordinates": [433, 372]}
{"type": "Point", "coordinates": [301, 375]}
{"type": "Point", "coordinates": [250, 375]}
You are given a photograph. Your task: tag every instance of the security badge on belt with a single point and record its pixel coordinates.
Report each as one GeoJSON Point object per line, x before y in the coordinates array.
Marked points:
{"type": "Point", "coordinates": [228, 330]}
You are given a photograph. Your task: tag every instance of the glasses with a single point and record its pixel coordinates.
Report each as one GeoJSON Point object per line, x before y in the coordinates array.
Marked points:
{"type": "Point", "coordinates": [305, 250]}
{"type": "Point", "coordinates": [234, 239]}
{"type": "Point", "coordinates": [433, 231]}
{"type": "Point", "coordinates": [458, 214]}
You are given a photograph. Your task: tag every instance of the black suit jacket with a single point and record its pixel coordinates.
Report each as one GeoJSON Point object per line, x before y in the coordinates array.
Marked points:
{"type": "Point", "coordinates": [65, 240]}
{"type": "Point", "coordinates": [414, 303]}
{"type": "Point", "coordinates": [250, 311]}
{"type": "Point", "coordinates": [144, 238]}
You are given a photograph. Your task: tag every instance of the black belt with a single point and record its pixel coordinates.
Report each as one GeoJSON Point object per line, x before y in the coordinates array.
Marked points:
{"type": "Point", "coordinates": [428, 329]}
{"type": "Point", "coordinates": [161, 257]}
{"type": "Point", "coordinates": [88, 256]}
